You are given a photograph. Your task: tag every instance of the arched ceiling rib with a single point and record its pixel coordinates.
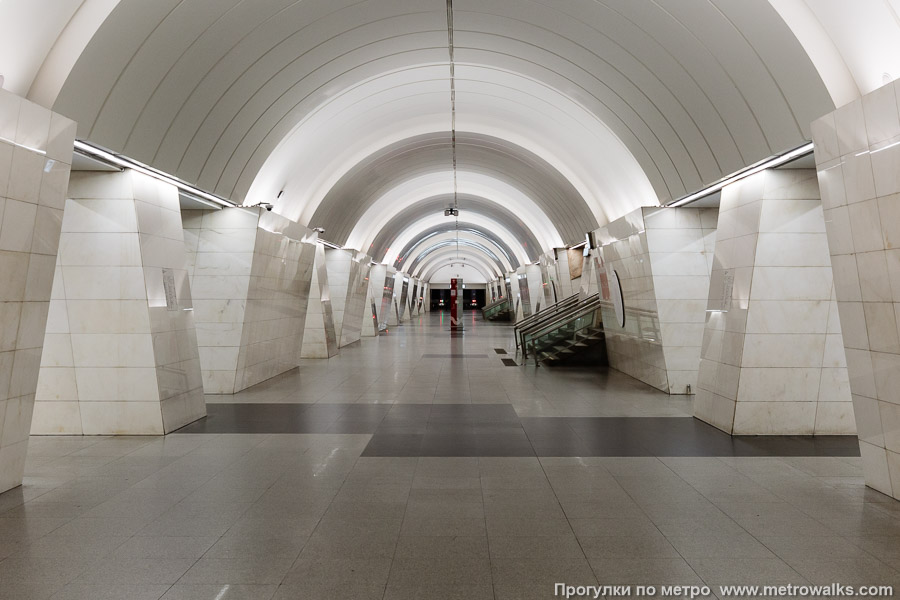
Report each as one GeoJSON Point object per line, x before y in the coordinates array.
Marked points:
{"type": "Point", "coordinates": [428, 212]}
{"type": "Point", "coordinates": [462, 239]}
{"type": "Point", "coordinates": [465, 256]}
{"type": "Point", "coordinates": [370, 180]}
{"type": "Point", "coordinates": [465, 230]}
{"type": "Point", "coordinates": [407, 194]}
{"type": "Point", "coordinates": [684, 91]}
{"type": "Point", "coordinates": [463, 247]}
{"type": "Point", "coordinates": [442, 272]}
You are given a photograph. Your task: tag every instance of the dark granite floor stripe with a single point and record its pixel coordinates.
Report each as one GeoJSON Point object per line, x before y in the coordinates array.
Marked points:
{"type": "Point", "coordinates": [496, 430]}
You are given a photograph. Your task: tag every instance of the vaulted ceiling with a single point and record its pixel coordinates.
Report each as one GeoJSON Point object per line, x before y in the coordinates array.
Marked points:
{"type": "Point", "coordinates": [570, 112]}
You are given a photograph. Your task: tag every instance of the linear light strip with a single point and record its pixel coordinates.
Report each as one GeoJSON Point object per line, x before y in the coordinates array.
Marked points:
{"type": "Point", "coordinates": [328, 244]}
{"type": "Point", "coordinates": [453, 115]}
{"type": "Point", "coordinates": [769, 163]}
{"type": "Point", "coordinates": [118, 160]}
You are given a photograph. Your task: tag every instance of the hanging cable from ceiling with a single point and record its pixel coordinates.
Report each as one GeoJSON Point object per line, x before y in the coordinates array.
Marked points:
{"type": "Point", "coordinates": [453, 117]}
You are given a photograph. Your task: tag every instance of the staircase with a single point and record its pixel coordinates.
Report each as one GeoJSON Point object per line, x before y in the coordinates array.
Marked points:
{"type": "Point", "coordinates": [499, 310]}
{"type": "Point", "coordinates": [571, 334]}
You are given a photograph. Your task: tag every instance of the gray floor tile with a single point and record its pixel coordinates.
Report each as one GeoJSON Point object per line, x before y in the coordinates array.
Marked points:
{"type": "Point", "coordinates": [93, 591]}
{"type": "Point", "coordinates": [252, 570]}
{"type": "Point", "coordinates": [862, 570]}
{"type": "Point", "coordinates": [644, 571]}
{"type": "Point", "coordinates": [303, 516]}
{"type": "Point", "coordinates": [741, 545]}
{"type": "Point", "coordinates": [452, 569]}
{"type": "Point", "coordinates": [323, 573]}
{"type": "Point", "coordinates": [127, 570]}
{"type": "Point", "coordinates": [351, 545]}
{"type": "Point", "coordinates": [528, 547]}
{"type": "Point", "coordinates": [745, 571]}
{"type": "Point", "coordinates": [191, 591]}
{"type": "Point", "coordinates": [439, 592]}
{"type": "Point", "coordinates": [165, 547]}
{"type": "Point", "coordinates": [638, 545]}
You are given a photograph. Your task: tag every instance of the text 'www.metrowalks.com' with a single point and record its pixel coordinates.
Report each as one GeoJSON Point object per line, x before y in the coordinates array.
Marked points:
{"type": "Point", "coordinates": [834, 590]}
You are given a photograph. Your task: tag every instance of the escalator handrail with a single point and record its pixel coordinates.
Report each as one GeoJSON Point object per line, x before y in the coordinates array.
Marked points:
{"type": "Point", "coordinates": [496, 302]}
{"type": "Point", "coordinates": [495, 309]}
{"type": "Point", "coordinates": [552, 309]}
{"type": "Point", "coordinates": [556, 307]}
{"type": "Point", "coordinates": [589, 304]}
{"type": "Point", "coordinates": [562, 318]}
{"type": "Point", "coordinates": [550, 317]}
{"type": "Point", "coordinates": [552, 326]}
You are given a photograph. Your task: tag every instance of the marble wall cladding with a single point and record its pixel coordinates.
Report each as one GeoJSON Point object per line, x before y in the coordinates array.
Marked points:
{"type": "Point", "coordinates": [35, 157]}
{"type": "Point", "coordinates": [319, 338]}
{"type": "Point", "coordinates": [405, 285]}
{"type": "Point", "coordinates": [390, 313]}
{"type": "Point", "coordinates": [374, 296]}
{"type": "Point", "coordinates": [220, 246]}
{"type": "Point", "coordinates": [660, 256]}
{"type": "Point", "coordinates": [348, 279]}
{"type": "Point", "coordinates": [250, 275]}
{"type": "Point", "coordinates": [590, 275]}
{"type": "Point", "coordinates": [415, 299]}
{"type": "Point", "coordinates": [772, 361]}
{"type": "Point", "coordinates": [123, 353]}
{"type": "Point", "coordinates": [546, 266]}
{"type": "Point", "coordinates": [531, 289]}
{"type": "Point", "coordinates": [338, 267]}
{"type": "Point", "coordinates": [524, 294]}
{"type": "Point", "coordinates": [279, 290]}
{"type": "Point", "coordinates": [857, 150]}
{"type": "Point", "coordinates": [564, 287]}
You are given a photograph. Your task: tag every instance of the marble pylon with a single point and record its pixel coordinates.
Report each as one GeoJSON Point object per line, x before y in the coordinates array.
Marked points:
{"type": "Point", "coordinates": [121, 343]}
{"type": "Point", "coordinates": [35, 157]}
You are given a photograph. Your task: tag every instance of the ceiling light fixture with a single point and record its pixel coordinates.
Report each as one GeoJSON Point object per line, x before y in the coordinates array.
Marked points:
{"type": "Point", "coordinates": [118, 160]}
{"type": "Point", "coordinates": [454, 212]}
{"type": "Point", "coordinates": [768, 163]}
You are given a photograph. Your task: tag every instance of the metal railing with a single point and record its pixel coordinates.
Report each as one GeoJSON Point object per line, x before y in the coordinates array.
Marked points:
{"type": "Point", "coordinates": [565, 329]}
{"type": "Point", "coordinates": [548, 316]}
{"type": "Point", "coordinates": [495, 307]}
{"type": "Point", "coordinates": [551, 309]}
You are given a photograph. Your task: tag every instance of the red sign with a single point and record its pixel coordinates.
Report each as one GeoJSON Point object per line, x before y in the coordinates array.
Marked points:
{"type": "Point", "coordinates": [455, 286]}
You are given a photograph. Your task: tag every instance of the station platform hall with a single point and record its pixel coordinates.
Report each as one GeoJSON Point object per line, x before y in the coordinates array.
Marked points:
{"type": "Point", "coordinates": [449, 300]}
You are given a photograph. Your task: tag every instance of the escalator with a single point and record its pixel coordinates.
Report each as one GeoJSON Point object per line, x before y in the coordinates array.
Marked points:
{"type": "Point", "coordinates": [572, 334]}
{"type": "Point", "coordinates": [499, 310]}
{"type": "Point", "coordinates": [543, 314]}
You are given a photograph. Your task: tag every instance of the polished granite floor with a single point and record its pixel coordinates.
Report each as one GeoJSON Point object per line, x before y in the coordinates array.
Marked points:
{"type": "Point", "coordinates": [316, 515]}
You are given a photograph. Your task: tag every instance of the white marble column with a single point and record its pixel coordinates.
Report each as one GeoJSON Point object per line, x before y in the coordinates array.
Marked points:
{"type": "Point", "coordinates": [348, 280]}
{"type": "Point", "coordinates": [250, 279]}
{"type": "Point", "coordinates": [660, 256]}
{"type": "Point", "coordinates": [590, 283]}
{"type": "Point", "coordinates": [122, 348]}
{"type": "Point", "coordinates": [547, 268]}
{"type": "Point", "coordinates": [415, 290]}
{"type": "Point", "coordinates": [35, 157]}
{"type": "Point", "coordinates": [857, 151]}
{"type": "Point", "coordinates": [390, 308]}
{"type": "Point", "coordinates": [405, 283]}
{"type": "Point", "coordinates": [529, 289]}
{"type": "Point", "coordinates": [319, 336]}
{"type": "Point", "coordinates": [772, 361]}
{"type": "Point", "coordinates": [374, 295]}
{"type": "Point", "coordinates": [563, 279]}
